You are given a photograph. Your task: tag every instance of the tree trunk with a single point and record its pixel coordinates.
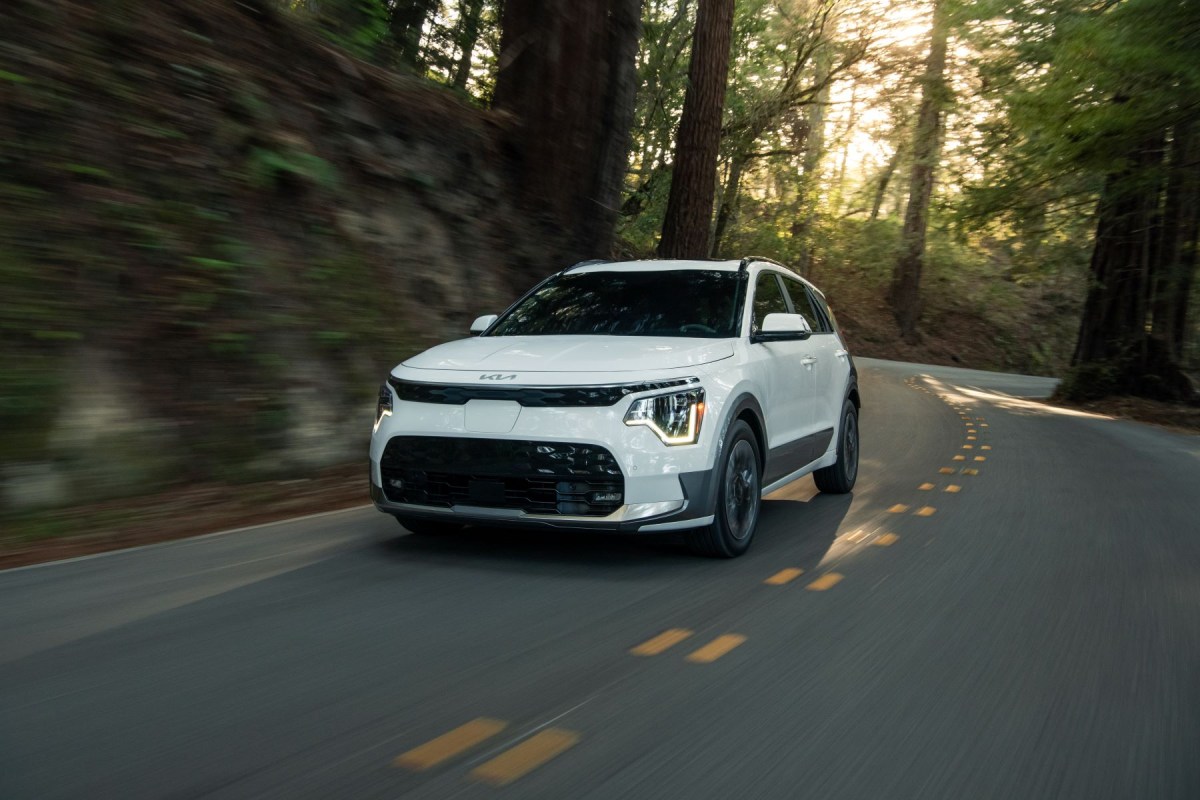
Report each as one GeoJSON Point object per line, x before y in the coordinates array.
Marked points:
{"type": "Point", "coordinates": [600, 207]}
{"type": "Point", "coordinates": [885, 178]}
{"type": "Point", "coordinates": [906, 277]}
{"type": "Point", "coordinates": [567, 75]}
{"type": "Point", "coordinates": [728, 208]}
{"type": "Point", "coordinates": [814, 152]}
{"type": "Point", "coordinates": [1181, 228]}
{"type": "Point", "coordinates": [1115, 353]}
{"type": "Point", "coordinates": [466, 36]}
{"type": "Point", "coordinates": [693, 179]}
{"type": "Point", "coordinates": [406, 23]}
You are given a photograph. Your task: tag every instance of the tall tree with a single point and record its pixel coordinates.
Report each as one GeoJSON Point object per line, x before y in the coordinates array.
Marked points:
{"type": "Point", "coordinates": [406, 21]}
{"type": "Point", "coordinates": [466, 36]}
{"type": "Point", "coordinates": [926, 149]}
{"type": "Point", "coordinates": [1101, 111]}
{"type": "Point", "coordinates": [693, 177]}
{"type": "Point", "coordinates": [567, 77]}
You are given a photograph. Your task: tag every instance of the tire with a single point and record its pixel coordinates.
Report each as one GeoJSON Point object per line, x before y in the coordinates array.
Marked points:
{"type": "Point", "coordinates": [428, 527]}
{"type": "Point", "coordinates": [839, 477]}
{"type": "Point", "coordinates": [737, 476]}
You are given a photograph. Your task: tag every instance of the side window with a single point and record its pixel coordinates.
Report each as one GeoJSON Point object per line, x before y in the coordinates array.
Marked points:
{"type": "Point", "coordinates": [768, 299]}
{"type": "Point", "coordinates": [803, 305]}
{"type": "Point", "coordinates": [826, 309]}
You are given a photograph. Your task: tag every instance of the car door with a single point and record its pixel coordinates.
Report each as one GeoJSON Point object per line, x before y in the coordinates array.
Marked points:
{"type": "Point", "coordinates": [784, 370]}
{"type": "Point", "coordinates": [831, 366]}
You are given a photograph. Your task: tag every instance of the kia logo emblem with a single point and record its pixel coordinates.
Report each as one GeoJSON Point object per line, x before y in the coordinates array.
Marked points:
{"type": "Point", "coordinates": [496, 376]}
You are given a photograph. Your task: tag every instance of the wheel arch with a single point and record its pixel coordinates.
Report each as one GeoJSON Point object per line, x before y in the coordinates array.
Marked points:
{"type": "Point", "coordinates": [745, 407]}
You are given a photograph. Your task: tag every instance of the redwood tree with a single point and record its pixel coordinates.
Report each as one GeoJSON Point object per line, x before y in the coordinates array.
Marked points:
{"type": "Point", "coordinates": [567, 76]}
{"type": "Point", "coordinates": [689, 205]}
{"type": "Point", "coordinates": [926, 149]}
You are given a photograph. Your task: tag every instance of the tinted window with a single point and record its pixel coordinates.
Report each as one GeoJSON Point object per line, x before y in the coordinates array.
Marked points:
{"type": "Point", "coordinates": [686, 302]}
{"type": "Point", "coordinates": [803, 305]}
{"type": "Point", "coordinates": [768, 298]}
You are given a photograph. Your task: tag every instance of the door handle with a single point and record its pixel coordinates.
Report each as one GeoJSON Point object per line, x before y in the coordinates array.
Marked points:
{"type": "Point", "coordinates": [808, 362]}
{"type": "Point", "coordinates": [841, 353]}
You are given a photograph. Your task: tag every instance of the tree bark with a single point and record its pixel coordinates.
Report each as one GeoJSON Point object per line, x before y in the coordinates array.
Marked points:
{"type": "Point", "coordinates": [728, 208]}
{"type": "Point", "coordinates": [693, 179]}
{"type": "Point", "coordinates": [906, 277]}
{"type": "Point", "coordinates": [407, 21]}
{"type": "Point", "coordinates": [1181, 229]}
{"type": "Point", "coordinates": [467, 36]}
{"type": "Point", "coordinates": [567, 75]}
{"type": "Point", "coordinates": [884, 179]}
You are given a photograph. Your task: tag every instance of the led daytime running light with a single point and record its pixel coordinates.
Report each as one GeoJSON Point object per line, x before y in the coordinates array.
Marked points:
{"type": "Point", "coordinates": [675, 418]}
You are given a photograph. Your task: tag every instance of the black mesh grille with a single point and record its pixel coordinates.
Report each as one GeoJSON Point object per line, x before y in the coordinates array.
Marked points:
{"type": "Point", "coordinates": [535, 477]}
{"type": "Point", "coordinates": [529, 396]}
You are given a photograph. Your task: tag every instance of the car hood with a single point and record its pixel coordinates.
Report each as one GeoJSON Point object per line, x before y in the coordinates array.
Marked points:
{"type": "Point", "coordinates": [536, 354]}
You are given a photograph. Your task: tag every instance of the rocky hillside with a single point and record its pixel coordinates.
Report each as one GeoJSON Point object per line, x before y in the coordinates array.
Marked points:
{"type": "Point", "coordinates": [217, 235]}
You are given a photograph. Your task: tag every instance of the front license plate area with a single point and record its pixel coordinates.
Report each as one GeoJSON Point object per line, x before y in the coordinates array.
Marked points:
{"type": "Point", "coordinates": [484, 492]}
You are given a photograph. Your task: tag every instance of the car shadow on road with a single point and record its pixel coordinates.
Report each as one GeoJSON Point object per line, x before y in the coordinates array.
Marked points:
{"type": "Point", "coordinates": [798, 531]}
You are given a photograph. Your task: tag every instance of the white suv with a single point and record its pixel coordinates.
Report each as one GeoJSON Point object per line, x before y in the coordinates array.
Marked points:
{"type": "Point", "coordinates": [643, 396]}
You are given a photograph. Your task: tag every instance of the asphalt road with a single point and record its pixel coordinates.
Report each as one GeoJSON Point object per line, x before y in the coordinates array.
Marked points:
{"type": "Point", "coordinates": [1033, 634]}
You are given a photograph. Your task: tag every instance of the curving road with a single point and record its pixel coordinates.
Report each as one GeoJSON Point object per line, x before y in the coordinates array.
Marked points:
{"type": "Point", "coordinates": [1013, 615]}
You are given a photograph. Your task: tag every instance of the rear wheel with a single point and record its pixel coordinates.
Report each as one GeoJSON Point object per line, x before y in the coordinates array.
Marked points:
{"type": "Point", "coordinates": [428, 527]}
{"type": "Point", "coordinates": [839, 477]}
{"type": "Point", "coordinates": [739, 498]}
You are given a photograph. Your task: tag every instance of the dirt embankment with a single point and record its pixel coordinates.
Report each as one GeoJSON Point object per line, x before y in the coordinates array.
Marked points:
{"type": "Point", "coordinates": [217, 235]}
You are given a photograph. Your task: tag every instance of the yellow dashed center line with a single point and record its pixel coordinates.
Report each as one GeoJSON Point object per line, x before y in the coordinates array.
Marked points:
{"type": "Point", "coordinates": [664, 641]}
{"type": "Point", "coordinates": [886, 540]}
{"type": "Point", "coordinates": [971, 438]}
{"type": "Point", "coordinates": [450, 744]}
{"type": "Point", "coordinates": [981, 458]}
{"type": "Point", "coordinates": [716, 648]}
{"type": "Point", "coordinates": [970, 472]}
{"type": "Point", "coordinates": [925, 487]}
{"type": "Point", "coordinates": [986, 447]}
{"type": "Point", "coordinates": [525, 757]}
{"type": "Point", "coordinates": [784, 576]}
{"type": "Point", "coordinates": [960, 458]}
{"type": "Point", "coordinates": [946, 470]}
{"type": "Point", "coordinates": [925, 511]}
{"type": "Point", "coordinates": [899, 508]}
{"type": "Point", "coordinates": [826, 581]}
{"type": "Point", "coordinates": [968, 447]}
{"type": "Point", "coordinates": [952, 489]}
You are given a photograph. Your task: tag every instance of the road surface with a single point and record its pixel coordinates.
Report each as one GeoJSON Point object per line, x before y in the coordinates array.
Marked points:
{"type": "Point", "coordinates": [1008, 606]}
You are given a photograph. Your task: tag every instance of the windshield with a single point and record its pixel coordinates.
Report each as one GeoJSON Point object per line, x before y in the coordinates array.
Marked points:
{"type": "Point", "coordinates": [684, 302]}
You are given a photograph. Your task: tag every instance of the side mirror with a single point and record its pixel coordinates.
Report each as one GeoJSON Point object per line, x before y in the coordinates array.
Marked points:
{"type": "Point", "coordinates": [782, 328]}
{"type": "Point", "coordinates": [481, 324]}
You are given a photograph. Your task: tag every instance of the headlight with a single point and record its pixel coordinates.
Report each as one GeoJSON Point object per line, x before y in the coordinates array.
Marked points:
{"type": "Point", "coordinates": [675, 418]}
{"type": "Point", "coordinates": [383, 407]}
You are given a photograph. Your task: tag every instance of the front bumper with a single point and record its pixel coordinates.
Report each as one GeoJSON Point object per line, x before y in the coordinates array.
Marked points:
{"type": "Point", "coordinates": [694, 511]}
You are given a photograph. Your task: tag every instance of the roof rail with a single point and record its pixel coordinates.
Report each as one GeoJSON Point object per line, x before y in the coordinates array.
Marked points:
{"type": "Point", "coordinates": [748, 260]}
{"type": "Point", "coordinates": [587, 263]}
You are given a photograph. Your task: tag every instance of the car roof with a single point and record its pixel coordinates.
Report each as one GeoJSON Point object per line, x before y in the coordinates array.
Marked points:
{"type": "Point", "coordinates": [665, 264]}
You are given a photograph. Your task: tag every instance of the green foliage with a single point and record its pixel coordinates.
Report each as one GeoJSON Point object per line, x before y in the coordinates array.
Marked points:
{"type": "Point", "coordinates": [358, 26]}
{"type": "Point", "coordinates": [266, 169]}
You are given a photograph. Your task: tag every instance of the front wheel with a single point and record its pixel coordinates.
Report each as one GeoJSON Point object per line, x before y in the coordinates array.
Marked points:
{"type": "Point", "coordinates": [839, 477]}
{"type": "Point", "coordinates": [739, 498]}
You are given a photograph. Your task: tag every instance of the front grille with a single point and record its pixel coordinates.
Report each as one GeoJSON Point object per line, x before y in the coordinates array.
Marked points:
{"type": "Point", "coordinates": [535, 477]}
{"type": "Point", "coordinates": [528, 396]}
